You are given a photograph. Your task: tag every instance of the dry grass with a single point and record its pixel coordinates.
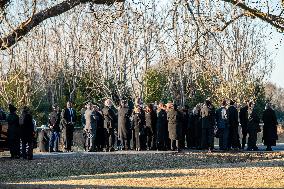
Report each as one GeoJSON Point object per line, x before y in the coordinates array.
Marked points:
{"type": "Point", "coordinates": [184, 170]}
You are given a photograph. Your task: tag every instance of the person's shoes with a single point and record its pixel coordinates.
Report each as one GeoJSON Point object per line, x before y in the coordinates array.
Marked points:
{"type": "Point", "coordinates": [255, 149]}
{"type": "Point", "coordinates": [268, 149]}
{"type": "Point", "coordinates": [111, 150]}
{"type": "Point", "coordinates": [249, 149]}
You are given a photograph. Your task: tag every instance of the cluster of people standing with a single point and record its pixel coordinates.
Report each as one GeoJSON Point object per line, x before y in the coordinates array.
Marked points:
{"type": "Point", "coordinates": [166, 126]}
{"type": "Point", "coordinates": [149, 127]}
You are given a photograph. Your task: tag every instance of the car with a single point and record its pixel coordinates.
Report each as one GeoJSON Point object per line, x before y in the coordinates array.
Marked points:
{"type": "Point", "coordinates": [4, 146]}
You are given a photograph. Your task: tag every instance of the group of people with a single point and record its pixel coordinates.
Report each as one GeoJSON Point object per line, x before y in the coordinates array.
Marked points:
{"type": "Point", "coordinates": [150, 127]}
{"type": "Point", "coordinates": [21, 132]}
{"type": "Point", "coordinates": [165, 126]}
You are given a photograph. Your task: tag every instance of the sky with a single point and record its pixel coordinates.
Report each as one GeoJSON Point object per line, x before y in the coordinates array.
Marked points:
{"type": "Point", "coordinates": [277, 75]}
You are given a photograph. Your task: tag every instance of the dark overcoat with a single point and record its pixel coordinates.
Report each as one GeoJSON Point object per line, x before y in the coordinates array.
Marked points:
{"type": "Point", "coordinates": [124, 124]}
{"type": "Point", "coordinates": [162, 126]}
{"type": "Point", "coordinates": [270, 127]}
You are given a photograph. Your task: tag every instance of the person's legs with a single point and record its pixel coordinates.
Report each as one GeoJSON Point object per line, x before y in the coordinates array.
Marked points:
{"type": "Point", "coordinates": [51, 141]}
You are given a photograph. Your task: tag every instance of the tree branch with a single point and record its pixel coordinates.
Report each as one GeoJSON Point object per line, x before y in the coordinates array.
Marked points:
{"type": "Point", "coordinates": [25, 27]}
{"type": "Point", "coordinates": [275, 21]}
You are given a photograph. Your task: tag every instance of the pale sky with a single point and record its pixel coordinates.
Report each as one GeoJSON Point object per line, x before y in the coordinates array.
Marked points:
{"type": "Point", "coordinates": [277, 75]}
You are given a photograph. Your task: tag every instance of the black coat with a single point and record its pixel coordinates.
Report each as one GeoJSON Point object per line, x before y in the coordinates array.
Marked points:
{"type": "Point", "coordinates": [151, 120]}
{"type": "Point", "coordinates": [109, 118]}
{"type": "Point", "coordinates": [124, 124]}
{"type": "Point", "coordinates": [70, 117]}
{"type": "Point", "coordinates": [27, 128]}
{"type": "Point", "coordinates": [253, 124]}
{"type": "Point", "coordinates": [232, 114]}
{"type": "Point", "coordinates": [270, 127]}
{"type": "Point", "coordinates": [162, 126]}
{"type": "Point", "coordinates": [13, 126]}
{"type": "Point", "coordinates": [244, 117]}
{"type": "Point", "coordinates": [138, 122]}
{"type": "Point", "coordinates": [174, 124]}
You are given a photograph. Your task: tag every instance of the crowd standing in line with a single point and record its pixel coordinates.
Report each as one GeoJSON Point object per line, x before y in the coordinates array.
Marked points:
{"type": "Point", "coordinates": [150, 127]}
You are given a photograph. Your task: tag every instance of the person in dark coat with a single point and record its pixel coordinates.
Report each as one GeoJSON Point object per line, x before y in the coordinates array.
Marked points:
{"type": "Point", "coordinates": [109, 125]}
{"type": "Point", "coordinates": [69, 120]}
{"type": "Point", "coordinates": [185, 138]}
{"type": "Point", "coordinates": [162, 127]}
{"type": "Point", "coordinates": [13, 132]}
{"type": "Point", "coordinates": [269, 128]}
{"type": "Point", "coordinates": [100, 141]}
{"type": "Point", "coordinates": [253, 128]}
{"type": "Point", "coordinates": [2, 114]}
{"type": "Point", "coordinates": [54, 126]}
{"type": "Point", "coordinates": [43, 139]}
{"type": "Point", "coordinates": [27, 133]}
{"type": "Point", "coordinates": [124, 125]}
{"type": "Point", "coordinates": [222, 125]}
{"type": "Point", "coordinates": [208, 125]}
{"type": "Point", "coordinates": [243, 115]}
{"type": "Point", "coordinates": [174, 118]}
{"type": "Point", "coordinates": [233, 120]}
{"type": "Point", "coordinates": [150, 129]}
{"type": "Point", "coordinates": [196, 127]}
{"type": "Point", "coordinates": [138, 127]}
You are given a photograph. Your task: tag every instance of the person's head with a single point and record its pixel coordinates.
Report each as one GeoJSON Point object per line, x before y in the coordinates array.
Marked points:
{"type": "Point", "coordinates": [89, 105]}
{"type": "Point", "coordinates": [69, 104]}
{"type": "Point", "coordinates": [267, 105]}
{"type": "Point", "coordinates": [149, 107]}
{"type": "Point", "coordinates": [25, 110]}
{"type": "Point", "coordinates": [12, 108]}
{"type": "Point", "coordinates": [55, 107]}
{"type": "Point", "coordinates": [137, 109]}
{"type": "Point", "coordinates": [96, 108]}
{"type": "Point", "coordinates": [161, 105]}
{"type": "Point", "coordinates": [224, 103]}
{"type": "Point", "coordinates": [251, 104]}
{"type": "Point", "coordinates": [232, 102]}
{"type": "Point", "coordinates": [108, 103]}
{"type": "Point", "coordinates": [186, 108]}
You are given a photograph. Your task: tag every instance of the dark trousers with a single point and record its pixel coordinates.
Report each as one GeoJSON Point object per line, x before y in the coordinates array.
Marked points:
{"type": "Point", "coordinates": [125, 143]}
{"type": "Point", "coordinates": [27, 148]}
{"type": "Point", "coordinates": [14, 146]}
{"type": "Point", "coordinates": [175, 145]}
{"type": "Point", "coordinates": [223, 138]}
{"type": "Point", "coordinates": [68, 136]}
{"type": "Point", "coordinates": [207, 139]}
{"type": "Point", "coordinates": [109, 138]}
{"type": "Point", "coordinates": [54, 140]}
{"type": "Point", "coordinates": [234, 139]}
{"type": "Point", "coordinates": [252, 140]}
{"type": "Point", "coordinates": [150, 138]}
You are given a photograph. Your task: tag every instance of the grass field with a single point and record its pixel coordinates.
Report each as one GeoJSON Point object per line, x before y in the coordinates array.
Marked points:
{"type": "Point", "coordinates": [146, 170]}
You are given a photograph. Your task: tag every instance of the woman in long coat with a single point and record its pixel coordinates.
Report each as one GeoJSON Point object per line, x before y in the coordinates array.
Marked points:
{"type": "Point", "coordinates": [174, 126]}
{"type": "Point", "coordinates": [124, 125]}
{"type": "Point", "coordinates": [269, 128]}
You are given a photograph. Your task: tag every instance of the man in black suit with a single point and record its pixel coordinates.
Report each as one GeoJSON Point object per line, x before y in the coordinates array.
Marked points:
{"type": "Point", "coordinates": [69, 120]}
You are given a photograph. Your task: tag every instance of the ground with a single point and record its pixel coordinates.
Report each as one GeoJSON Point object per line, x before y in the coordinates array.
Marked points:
{"type": "Point", "coordinates": [188, 169]}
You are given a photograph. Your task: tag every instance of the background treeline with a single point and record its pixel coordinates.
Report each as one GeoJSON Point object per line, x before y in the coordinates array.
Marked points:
{"type": "Point", "coordinates": [156, 51]}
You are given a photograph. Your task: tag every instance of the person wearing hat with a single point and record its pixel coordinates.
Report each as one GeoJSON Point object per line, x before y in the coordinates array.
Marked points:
{"type": "Point", "coordinates": [270, 127]}
{"type": "Point", "coordinates": [13, 132]}
{"type": "Point", "coordinates": [68, 121]}
{"type": "Point", "coordinates": [109, 125]}
{"type": "Point", "coordinates": [54, 126]}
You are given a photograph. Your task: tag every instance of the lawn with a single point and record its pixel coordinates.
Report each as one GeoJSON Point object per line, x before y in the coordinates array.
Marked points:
{"type": "Point", "coordinates": [146, 170]}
